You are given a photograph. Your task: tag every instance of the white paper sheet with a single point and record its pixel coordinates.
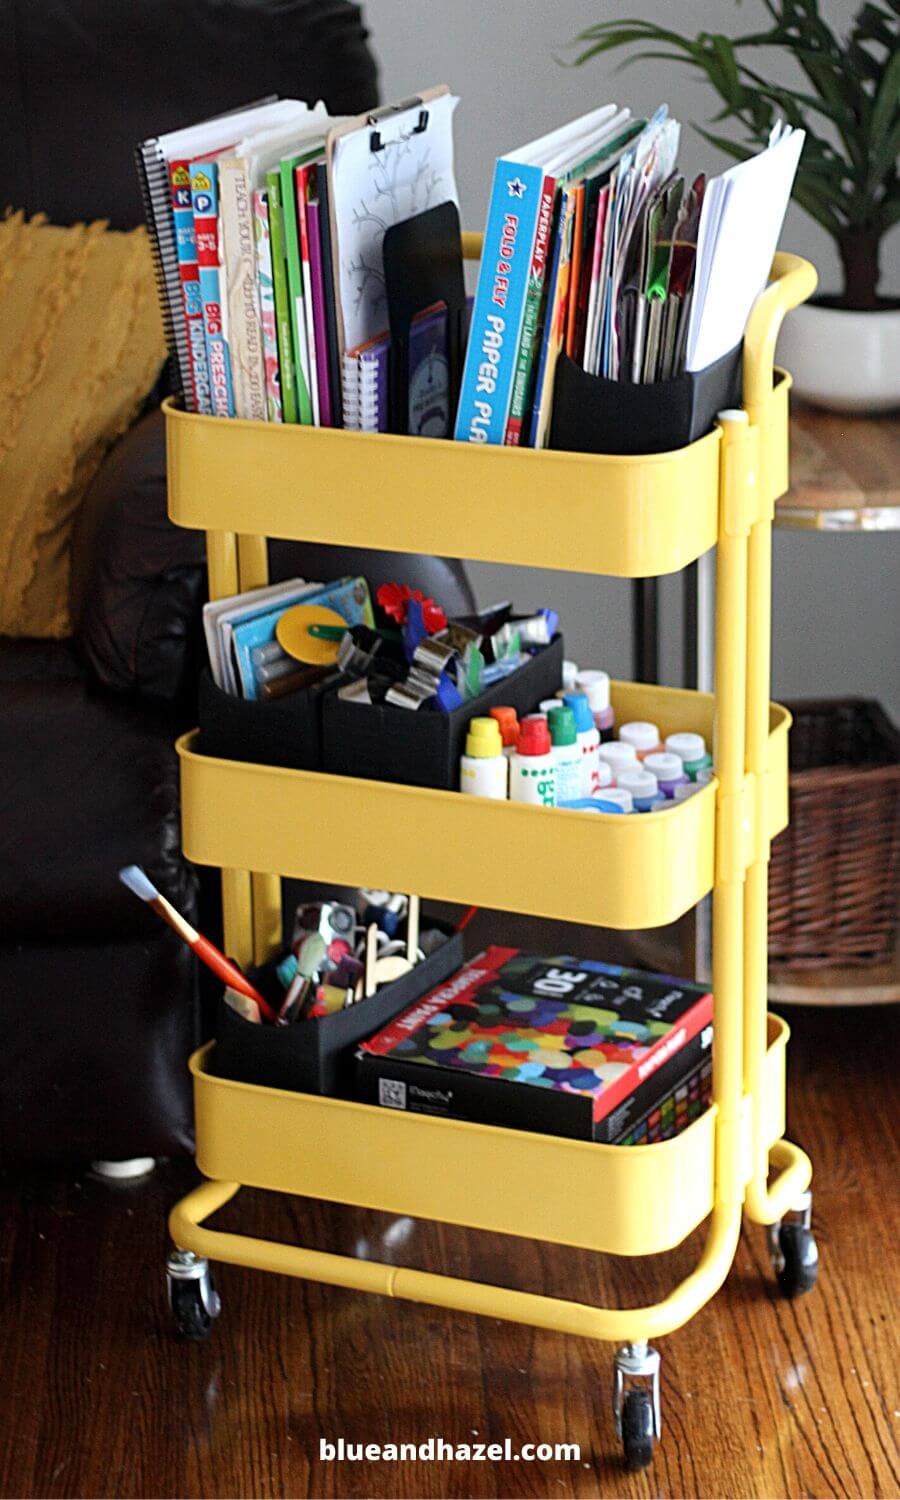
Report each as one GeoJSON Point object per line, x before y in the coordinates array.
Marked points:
{"type": "Point", "coordinates": [743, 211]}
{"type": "Point", "coordinates": [374, 189]}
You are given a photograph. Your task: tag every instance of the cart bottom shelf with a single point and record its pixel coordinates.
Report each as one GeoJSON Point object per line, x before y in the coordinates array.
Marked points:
{"type": "Point", "coordinates": [622, 1200]}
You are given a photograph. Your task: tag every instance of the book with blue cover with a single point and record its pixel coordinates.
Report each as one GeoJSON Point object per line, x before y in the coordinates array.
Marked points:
{"type": "Point", "coordinates": [348, 597]}
{"type": "Point", "coordinates": [205, 206]}
{"type": "Point", "coordinates": [512, 272]}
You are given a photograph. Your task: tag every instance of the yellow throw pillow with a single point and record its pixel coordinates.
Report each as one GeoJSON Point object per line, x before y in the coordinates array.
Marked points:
{"type": "Point", "coordinates": [81, 345]}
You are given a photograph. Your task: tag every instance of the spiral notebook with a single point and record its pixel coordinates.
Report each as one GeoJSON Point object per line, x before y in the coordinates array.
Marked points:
{"type": "Point", "coordinates": [153, 158]}
{"type": "Point", "coordinates": [365, 386]}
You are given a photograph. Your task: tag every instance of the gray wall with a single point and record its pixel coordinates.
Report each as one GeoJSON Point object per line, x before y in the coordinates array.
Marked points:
{"type": "Point", "coordinates": [837, 601]}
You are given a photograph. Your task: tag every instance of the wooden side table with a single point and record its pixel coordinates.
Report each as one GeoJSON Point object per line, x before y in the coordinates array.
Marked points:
{"type": "Point", "coordinates": [845, 473]}
{"type": "Point", "coordinates": [845, 477]}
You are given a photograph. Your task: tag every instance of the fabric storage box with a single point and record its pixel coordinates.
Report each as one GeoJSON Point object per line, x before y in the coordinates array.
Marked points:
{"type": "Point", "coordinates": [316, 1057]}
{"type": "Point", "coordinates": [834, 871]}
{"type": "Point", "coordinates": [384, 743]}
{"type": "Point", "coordinates": [280, 732]}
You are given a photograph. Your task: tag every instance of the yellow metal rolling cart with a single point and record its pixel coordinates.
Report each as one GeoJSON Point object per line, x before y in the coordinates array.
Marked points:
{"type": "Point", "coordinates": [622, 516]}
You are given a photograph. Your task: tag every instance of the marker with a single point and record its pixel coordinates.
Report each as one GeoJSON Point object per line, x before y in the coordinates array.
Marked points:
{"type": "Point", "coordinates": [643, 735]}
{"type": "Point", "coordinates": [484, 769]}
{"type": "Point", "coordinates": [532, 770]}
{"type": "Point", "coordinates": [668, 770]}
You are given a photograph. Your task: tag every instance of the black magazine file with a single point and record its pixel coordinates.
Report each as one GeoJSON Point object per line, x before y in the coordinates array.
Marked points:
{"type": "Point", "coordinates": [595, 415]}
{"type": "Point", "coordinates": [423, 265]}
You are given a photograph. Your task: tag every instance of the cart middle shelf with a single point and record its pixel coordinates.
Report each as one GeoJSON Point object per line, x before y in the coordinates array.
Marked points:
{"type": "Point", "coordinates": [608, 870]}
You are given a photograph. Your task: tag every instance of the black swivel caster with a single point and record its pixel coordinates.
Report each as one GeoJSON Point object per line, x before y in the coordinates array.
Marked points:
{"type": "Point", "coordinates": [194, 1301]}
{"type": "Point", "coordinates": [795, 1255]}
{"type": "Point", "coordinates": [637, 1409]}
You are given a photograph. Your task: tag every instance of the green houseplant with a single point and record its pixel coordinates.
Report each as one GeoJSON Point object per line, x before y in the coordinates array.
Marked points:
{"type": "Point", "coordinates": [847, 98]}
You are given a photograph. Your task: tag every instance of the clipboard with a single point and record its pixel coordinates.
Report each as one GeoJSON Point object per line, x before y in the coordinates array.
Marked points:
{"type": "Point", "coordinates": [379, 138]}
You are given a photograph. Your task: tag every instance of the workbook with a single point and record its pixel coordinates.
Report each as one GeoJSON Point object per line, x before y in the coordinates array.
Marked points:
{"type": "Point", "coordinates": [513, 267]}
{"type": "Point", "coordinates": [561, 1045]}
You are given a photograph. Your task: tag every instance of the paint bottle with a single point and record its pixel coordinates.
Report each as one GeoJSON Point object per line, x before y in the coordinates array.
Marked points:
{"type": "Point", "coordinates": [611, 800]}
{"type": "Point", "coordinates": [588, 740]}
{"type": "Point", "coordinates": [569, 676]}
{"type": "Point", "coordinates": [668, 770]}
{"type": "Point", "coordinates": [705, 777]}
{"type": "Point", "coordinates": [566, 753]}
{"type": "Point", "coordinates": [643, 786]}
{"type": "Point", "coordinates": [546, 705]}
{"type": "Point", "coordinates": [484, 769]}
{"type": "Point", "coordinates": [619, 757]}
{"type": "Point", "coordinates": [643, 735]}
{"type": "Point", "coordinates": [596, 685]}
{"type": "Point", "coordinates": [685, 790]}
{"type": "Point", "coordinates": [691, 748]}
{"type": "Point", "coordinates": [509, 728]}
{"type": "Point", "coordinates": [532, 770]}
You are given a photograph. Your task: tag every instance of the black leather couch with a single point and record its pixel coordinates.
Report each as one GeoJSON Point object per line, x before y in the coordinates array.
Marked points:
{"type": "Point", "coordinates": [99, 1004]}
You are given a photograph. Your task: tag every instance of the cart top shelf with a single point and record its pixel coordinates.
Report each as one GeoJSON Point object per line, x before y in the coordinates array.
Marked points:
{"type": "Point", "coordinates": [623, 516]}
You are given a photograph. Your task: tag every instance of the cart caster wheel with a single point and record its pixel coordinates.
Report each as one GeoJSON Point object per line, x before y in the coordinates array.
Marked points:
{"type": "Point", "coordinates": [637, 1429]}
{"type": "Point", "coordinates": [637, 1409]}
{"type": "Point", "coordinates": [194, 1301]}
{"type": "Point", "coordinates": [795, 1255]}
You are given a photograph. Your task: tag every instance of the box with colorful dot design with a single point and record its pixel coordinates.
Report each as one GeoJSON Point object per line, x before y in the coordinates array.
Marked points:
{"type": "Point", "coordinates": [560, 1045]}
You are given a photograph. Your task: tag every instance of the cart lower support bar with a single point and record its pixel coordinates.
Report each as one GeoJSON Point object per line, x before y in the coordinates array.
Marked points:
{"type": "Point", "coordinates": [616, 1325]}
{"type": "Point", "coordinates": [767, 1204]}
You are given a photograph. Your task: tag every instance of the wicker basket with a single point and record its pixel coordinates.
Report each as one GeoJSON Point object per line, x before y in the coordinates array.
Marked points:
{"type": "Point", "coordinates": [834, 872]}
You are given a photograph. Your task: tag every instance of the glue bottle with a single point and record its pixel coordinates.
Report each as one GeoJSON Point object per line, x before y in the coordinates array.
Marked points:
{"type": "Point", "coordinates": [532, 770]}
{"type": "Point", "coordinates": [484, 769]}
{"type": "Point", "coordinates": [588, 740]}
{"type": "Point", "coordinates": [566, 753]}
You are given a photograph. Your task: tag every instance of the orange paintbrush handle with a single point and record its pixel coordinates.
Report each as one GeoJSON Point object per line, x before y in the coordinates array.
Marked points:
{"type": "Point", "coordinates": [229, 974]}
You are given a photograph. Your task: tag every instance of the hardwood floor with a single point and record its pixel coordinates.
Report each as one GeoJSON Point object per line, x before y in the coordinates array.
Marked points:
{"type": "Point", "coordinates": [760, 1397]}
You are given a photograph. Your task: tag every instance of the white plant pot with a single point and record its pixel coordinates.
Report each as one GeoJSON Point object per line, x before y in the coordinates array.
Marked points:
{"type": "Point", "coordinates": [846, 361]}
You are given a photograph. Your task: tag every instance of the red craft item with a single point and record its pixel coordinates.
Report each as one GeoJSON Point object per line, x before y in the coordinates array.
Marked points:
{"type": "Point", "coordinates": [394, 598]}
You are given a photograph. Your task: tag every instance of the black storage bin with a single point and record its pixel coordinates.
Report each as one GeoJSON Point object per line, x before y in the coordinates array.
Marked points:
{"type": "Point", "coordinates": [595, 415]}
{"type": "Point", "coordinates": [423, 748]}
{"type": "Point", "coordinates": [316, 1057]}
{"type": "Point", "coordinates": [281, 732]}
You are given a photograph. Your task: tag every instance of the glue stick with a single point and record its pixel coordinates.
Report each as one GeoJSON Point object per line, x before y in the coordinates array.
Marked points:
{"type": "Point", "coordinates": [532, 770]}
{"type": "Point", "coordinates": [484, 769]}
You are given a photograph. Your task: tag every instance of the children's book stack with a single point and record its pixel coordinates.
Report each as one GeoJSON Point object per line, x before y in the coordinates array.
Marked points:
{"type": "Point", "coordinates": [287, 241]}
{"type": "Point", "coordinates": [268, 225]}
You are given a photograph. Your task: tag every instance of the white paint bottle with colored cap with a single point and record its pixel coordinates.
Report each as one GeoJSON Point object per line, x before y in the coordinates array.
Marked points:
{"type": "Point", "coordinates": [484, 769]}
{"type": "Point", "coordinates": [566, 753]}
{"type": "Point", "coordinates": [532, 770]}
